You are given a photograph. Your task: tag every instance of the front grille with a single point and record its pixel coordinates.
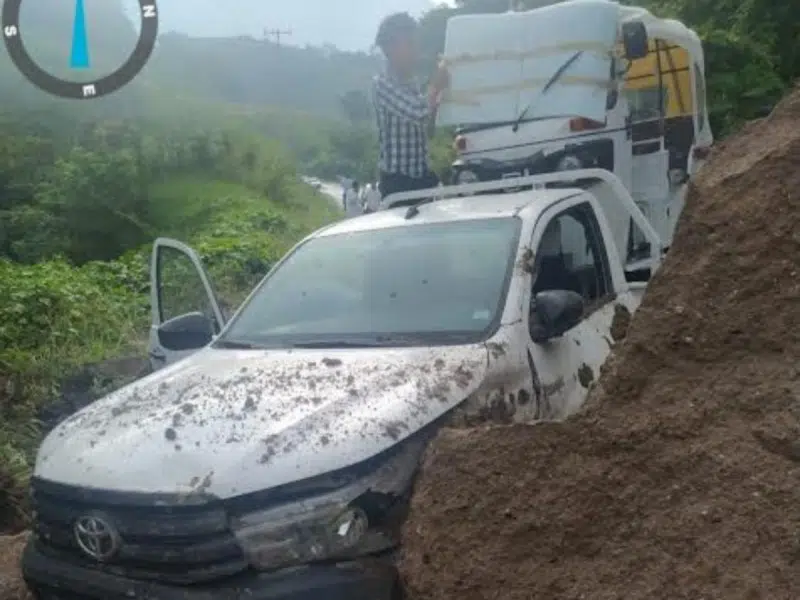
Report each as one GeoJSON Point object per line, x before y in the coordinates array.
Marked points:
{"type": "Point", "coordinates": [161, 541]}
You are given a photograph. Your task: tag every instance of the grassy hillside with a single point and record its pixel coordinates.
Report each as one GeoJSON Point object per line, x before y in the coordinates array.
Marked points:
{"type": "Point", "coordinates": [250, 71]}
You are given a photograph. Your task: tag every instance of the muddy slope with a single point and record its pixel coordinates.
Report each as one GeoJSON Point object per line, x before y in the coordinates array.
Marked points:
{"type": "Point", "coordinates": [682, 478]}
{"type": "Point", "coordinates": [12, 587]}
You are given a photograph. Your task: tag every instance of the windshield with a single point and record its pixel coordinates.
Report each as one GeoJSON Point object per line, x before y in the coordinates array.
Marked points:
{"type": "Point", "coordinates": [528, 115]}
{"type": "Point", "coordinates": [413, 285]}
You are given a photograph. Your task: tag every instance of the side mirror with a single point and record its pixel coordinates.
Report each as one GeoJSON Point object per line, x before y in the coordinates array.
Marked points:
{"type": "Point", "coordinates": [191, 331]}
{"type": "Point", "coordinates": [634, 39]}
{"type": "Point", "coordinates": [554, 312]}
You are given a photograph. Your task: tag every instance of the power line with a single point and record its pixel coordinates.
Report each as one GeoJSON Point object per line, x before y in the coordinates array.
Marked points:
{"type": "Point", "coordinates": [277, 34]}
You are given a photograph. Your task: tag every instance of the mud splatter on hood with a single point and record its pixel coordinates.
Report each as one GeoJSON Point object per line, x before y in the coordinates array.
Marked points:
{"type": "Point", "coordinates": [235, 422]}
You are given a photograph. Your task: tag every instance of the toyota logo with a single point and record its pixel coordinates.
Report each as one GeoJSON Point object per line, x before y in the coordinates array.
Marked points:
{"type": "Point", "coordinates": [97, 537]}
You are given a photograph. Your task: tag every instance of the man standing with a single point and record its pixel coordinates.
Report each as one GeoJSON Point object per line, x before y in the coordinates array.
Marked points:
{"type": "Point", "coordinates": [405, 116]}
{"type": "Point", "coordinates": [352, 203]}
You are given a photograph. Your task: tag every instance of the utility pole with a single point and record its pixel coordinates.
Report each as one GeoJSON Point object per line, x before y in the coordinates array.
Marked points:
{"type": "Point", "coordinates": [277, 34]}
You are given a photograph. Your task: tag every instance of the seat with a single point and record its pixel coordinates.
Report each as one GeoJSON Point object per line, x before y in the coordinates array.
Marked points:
{"type": "Point", "coordinates": [551, 268]}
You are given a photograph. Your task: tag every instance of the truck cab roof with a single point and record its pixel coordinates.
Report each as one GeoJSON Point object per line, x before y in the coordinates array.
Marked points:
{"type": "Point", "coordinates": [527, 204]}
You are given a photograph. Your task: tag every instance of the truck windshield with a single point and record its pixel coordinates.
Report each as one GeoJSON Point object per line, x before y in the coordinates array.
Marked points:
{"type": "Point", "coordinates": [433, 283]}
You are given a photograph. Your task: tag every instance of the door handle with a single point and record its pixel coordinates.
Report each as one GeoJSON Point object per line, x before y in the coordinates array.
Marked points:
{"type": "Point", "coordinates": [157, 355]}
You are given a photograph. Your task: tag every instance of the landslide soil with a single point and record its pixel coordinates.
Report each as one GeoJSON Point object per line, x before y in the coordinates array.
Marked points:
{"type": "Point", "coordinates": [12, 587]}
{"type": "Point", "coordinates": [681, 478]}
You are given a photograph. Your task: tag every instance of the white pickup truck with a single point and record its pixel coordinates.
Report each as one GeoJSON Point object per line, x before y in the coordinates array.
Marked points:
{"type": "Point", "coordinates": [271, 456]}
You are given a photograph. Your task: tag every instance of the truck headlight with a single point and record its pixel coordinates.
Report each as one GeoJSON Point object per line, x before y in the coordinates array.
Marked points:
{"type": "Point", "coordinates": [330, 525]}
{"type": "Point", "coordinates": [569, 163]}
{"type": "Point", "coordinates": [272, 541]}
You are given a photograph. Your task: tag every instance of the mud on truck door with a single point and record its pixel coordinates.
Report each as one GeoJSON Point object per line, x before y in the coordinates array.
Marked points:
{"type": "Point", "coordinates": [185, 314]}
{"type": "Point", "coordinates": [572, 278]}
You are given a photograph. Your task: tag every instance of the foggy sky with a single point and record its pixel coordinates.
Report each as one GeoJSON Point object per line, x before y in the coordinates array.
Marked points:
{"type": "Point", "coordinates": [347, 24]}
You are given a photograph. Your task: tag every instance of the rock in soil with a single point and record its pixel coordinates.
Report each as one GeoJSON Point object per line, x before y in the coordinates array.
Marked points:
{"type": "Point", "coordinates": [681, 478]}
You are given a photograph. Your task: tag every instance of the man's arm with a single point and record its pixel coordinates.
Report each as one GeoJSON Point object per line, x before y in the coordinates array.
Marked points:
{"type": "Point", "coordinates": [399, 101]}
{"type": "Point", "coordinates": [439, 83]}
{"type": "Point", "coordinates": [433, 101]}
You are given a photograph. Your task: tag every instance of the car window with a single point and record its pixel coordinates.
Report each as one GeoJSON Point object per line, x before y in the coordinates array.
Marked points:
{"type": "Point", "coordinates": [646, 103]}
{"type": "Point", "coordinates": [571, 256]}
{"type": "Point", "coordinates": [422, 282]}
{"type": "Point", "coordinates": [181, 290]}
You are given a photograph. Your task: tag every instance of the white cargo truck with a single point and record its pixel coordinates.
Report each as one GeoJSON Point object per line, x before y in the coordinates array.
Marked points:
{"type": "Point", "coordinates": [575, 85]}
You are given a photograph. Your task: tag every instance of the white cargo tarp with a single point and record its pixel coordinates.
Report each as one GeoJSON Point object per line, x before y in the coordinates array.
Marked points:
{"type": "Point", "coordinates": [500, 63]}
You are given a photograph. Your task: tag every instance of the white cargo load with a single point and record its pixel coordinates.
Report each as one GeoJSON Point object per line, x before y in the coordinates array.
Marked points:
{"type": "Point", "coordinates": [500, 64]}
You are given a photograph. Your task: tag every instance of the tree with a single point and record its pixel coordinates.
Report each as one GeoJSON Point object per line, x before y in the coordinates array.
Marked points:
{"type": "Point", "coordinates": [356, 106]}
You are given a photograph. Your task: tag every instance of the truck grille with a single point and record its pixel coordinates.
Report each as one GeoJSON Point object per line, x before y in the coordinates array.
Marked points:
{"type": "Point", "coordinates": [170, 542]}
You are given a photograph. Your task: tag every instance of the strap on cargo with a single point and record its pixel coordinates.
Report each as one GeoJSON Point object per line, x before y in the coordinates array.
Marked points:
{"type": "Point", "coordinates": [470, 58]}
{"type": "Point", "coordinates": [470, 97]}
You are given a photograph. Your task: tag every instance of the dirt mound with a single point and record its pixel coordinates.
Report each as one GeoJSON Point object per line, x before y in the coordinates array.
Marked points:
{"type": "Point", "coordinates": [682, 478]}
{"type": "Point", "coordinates": [12, 587]}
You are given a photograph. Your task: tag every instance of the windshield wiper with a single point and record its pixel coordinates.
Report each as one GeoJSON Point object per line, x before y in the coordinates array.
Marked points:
{"type": "Point", "coordinates": [379, 341]}
{"type": "Point", "coordinates": [550, 83]}
{"type": "Point", "coordinates": [324, 344]}
{"type": "Point", "coordinates": [238, 345]}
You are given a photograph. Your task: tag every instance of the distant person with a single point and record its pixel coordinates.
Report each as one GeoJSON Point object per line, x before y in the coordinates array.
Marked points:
{"type": "Point", "coordinates": [352, 201]}
{"type": "Point", "coordinates": [405, 116]}
{"type": "Point", "coordinates": [372, 198]}
{"type": "Point", "coordinates": [346, 184]}
{"type": "Point", "coordinates": [362, 197]}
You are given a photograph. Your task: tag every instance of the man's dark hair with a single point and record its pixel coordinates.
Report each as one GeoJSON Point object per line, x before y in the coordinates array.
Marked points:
{"type": "Point", "coordinates": [392, 27]}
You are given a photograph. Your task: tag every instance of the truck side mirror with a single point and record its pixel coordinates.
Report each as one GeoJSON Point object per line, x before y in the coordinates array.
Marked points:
{"type": "Point", "coordinates": [553, 312]}
{"type": "Point", "coordinates": [191, 331]}
{"type": "Point", "coordinates": [634, 40]}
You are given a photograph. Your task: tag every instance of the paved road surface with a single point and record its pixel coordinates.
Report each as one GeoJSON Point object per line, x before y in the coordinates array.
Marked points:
{"type": "Point", "coordinates": [334, 190]}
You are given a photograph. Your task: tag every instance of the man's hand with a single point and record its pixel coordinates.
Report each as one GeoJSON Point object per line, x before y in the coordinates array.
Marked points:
{"type": "Point", "coordinates": [441, 79]}
{"type": "Point", "coordinates": [438, 84]}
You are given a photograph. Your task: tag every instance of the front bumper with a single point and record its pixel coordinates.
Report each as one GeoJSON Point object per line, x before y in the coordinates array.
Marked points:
{"type": "Point", "coordinates": [54, 579]}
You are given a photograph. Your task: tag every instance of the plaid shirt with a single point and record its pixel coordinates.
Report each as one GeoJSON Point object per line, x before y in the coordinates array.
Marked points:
{"type": "Point", "coordinates": [402, 113]}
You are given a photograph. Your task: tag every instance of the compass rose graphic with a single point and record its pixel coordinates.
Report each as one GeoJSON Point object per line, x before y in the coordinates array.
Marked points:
{"type": "Point", "coordinates": [79, 53]}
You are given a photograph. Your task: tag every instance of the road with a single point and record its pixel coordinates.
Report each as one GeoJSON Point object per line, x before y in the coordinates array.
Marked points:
{"type": "Point", "coordinates": [334, 190]}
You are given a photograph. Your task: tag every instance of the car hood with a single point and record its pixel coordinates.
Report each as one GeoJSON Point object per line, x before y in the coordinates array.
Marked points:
{"type": "Point", "coordinates": [233, 422]}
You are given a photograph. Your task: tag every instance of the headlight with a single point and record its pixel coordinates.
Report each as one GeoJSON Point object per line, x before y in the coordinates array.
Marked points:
{"type": "Point", "coordinates": [569, 163]}
{"type": "Point", "coordinates": [467, 176]}
{"type": "Point", "coordinates": [325, 526]}
{"type": "Point", "coordinates": [272, 540]}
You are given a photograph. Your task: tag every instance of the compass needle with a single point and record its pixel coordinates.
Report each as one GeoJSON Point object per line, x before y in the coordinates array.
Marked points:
{"type": "Point", "coordinates": [79, 57]}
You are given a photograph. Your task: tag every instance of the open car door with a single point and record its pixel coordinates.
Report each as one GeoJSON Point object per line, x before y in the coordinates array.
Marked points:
{"type": "Point", "coordinates": [185, 312]}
